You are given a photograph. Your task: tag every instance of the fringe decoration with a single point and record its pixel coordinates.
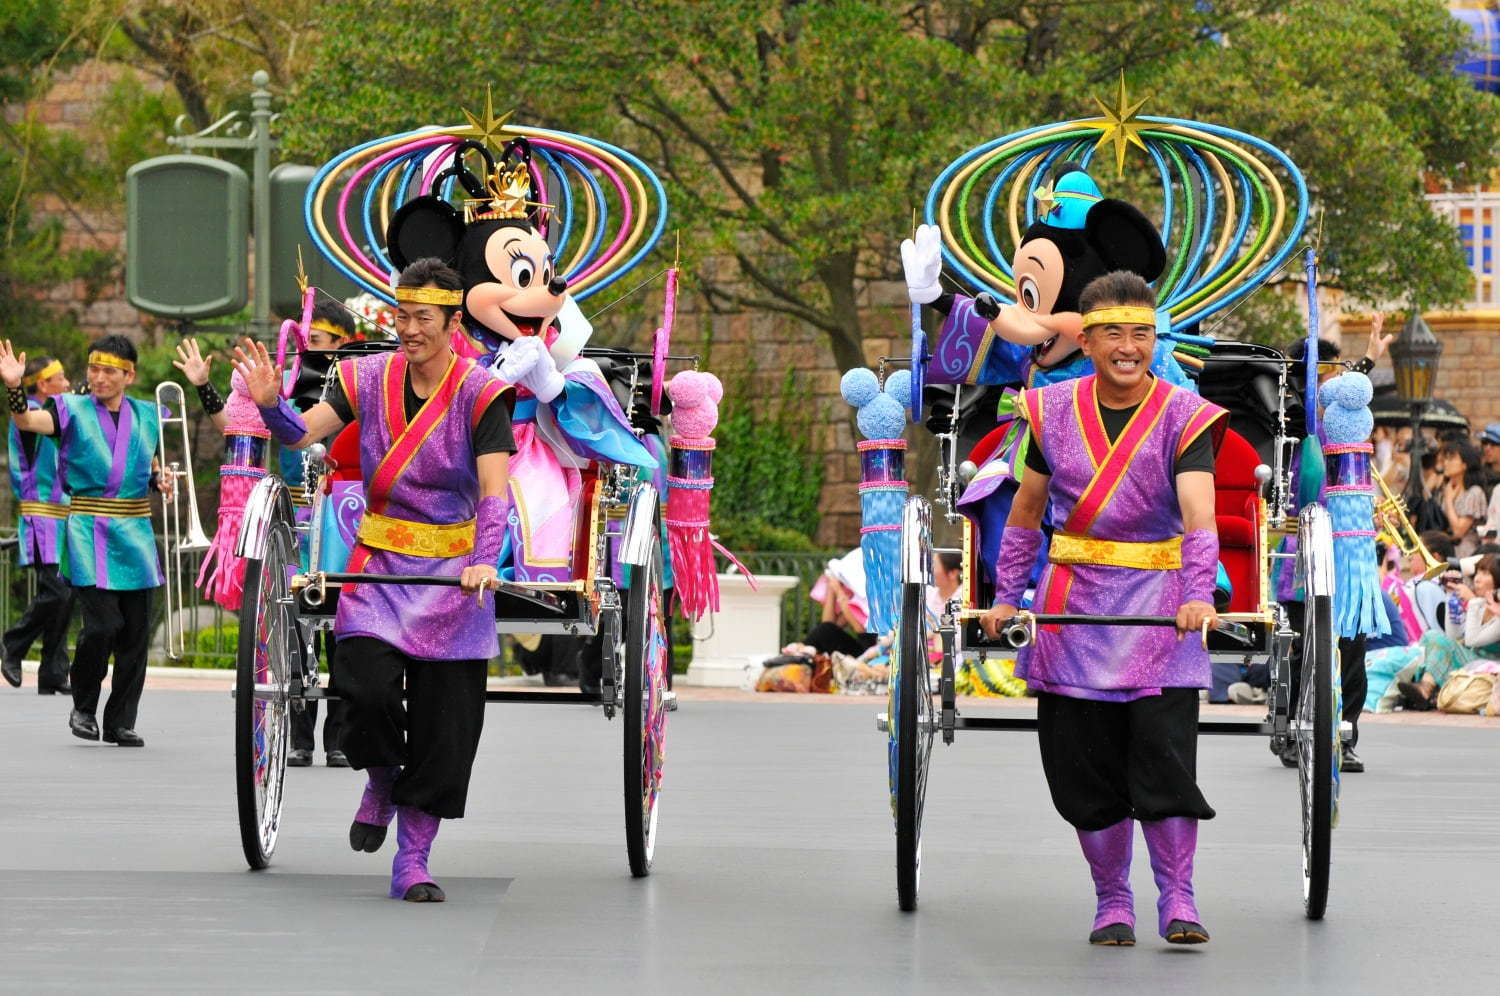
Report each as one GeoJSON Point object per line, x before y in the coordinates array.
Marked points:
{"type": "Point", "coordinates": [222, 576]}
{"type": "Point", "coordinates": [1350, 500]}
{"type": "Point", "coordinates": [689, 489]}
{"type": "Point", "coordinates": [880, 541]}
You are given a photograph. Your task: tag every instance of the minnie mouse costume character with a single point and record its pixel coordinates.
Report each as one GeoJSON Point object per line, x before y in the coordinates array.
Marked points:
{"type": "Point", "coordinates": [520, 323]}
{"type": "Point", "coordinates": [1035, 341]}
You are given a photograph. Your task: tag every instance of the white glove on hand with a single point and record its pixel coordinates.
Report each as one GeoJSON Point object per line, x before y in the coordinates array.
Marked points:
{"type": "Point", "coordinates": [518, 359]}
{"type": "Point", "coordinates": [922, 259]}
{"type": "Point", "coordinates": [543, 379]}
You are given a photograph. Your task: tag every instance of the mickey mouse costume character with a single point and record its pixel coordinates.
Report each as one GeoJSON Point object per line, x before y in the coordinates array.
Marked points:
{"type": "Point", "coordinates": [520, 323]}
{"type": "Point", "coordinates": [1078, 235]}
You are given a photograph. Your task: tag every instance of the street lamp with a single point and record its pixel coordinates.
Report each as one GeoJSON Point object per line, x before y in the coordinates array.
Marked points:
{"type": "Point", "coordinates": [1414, 355]}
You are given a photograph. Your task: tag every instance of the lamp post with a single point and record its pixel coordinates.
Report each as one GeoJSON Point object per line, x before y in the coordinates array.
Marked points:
{"type": "Point", "coordinates": [1414, 355]}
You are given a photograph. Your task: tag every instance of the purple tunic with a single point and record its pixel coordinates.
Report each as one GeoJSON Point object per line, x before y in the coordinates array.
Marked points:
{"type": "Point", "coordinates": [423, 473]}
{"type": "Point", "coordinates": [1124, 491]}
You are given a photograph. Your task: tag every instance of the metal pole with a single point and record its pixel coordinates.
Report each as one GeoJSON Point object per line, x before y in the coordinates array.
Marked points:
{"type": "Point", "coordinates": [260, 199]}
{"type": "Point", "coordinates": [1414, 489]}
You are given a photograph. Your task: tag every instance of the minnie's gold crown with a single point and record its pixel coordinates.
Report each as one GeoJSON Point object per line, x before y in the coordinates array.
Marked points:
{"type": "Point", "coordinates": [510, 193]}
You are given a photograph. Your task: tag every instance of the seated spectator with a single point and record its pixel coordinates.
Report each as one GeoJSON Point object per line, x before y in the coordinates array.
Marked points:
{"type": "Point", "coordinates": [841, 590]}
{"type": "Point", "coordinates": [1462, 493]}
{"type": "Point", "coordinates": [1471, 629]}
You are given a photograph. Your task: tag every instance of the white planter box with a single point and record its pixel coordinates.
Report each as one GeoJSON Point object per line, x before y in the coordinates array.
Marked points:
{"type": "Point", "coordinates": [745, 631]}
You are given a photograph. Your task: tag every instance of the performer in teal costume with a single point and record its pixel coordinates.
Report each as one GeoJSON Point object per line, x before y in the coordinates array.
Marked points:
{"type": "Point", "coordinates": [108, 460]}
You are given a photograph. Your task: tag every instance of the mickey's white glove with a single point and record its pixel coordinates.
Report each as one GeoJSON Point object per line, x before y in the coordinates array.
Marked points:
{"type": "Point", "coordinates": [922, 259]}
{"type": "Point", "coordinates": [518, 359]}
{"type": "Point", "coordinates": [543, 379]}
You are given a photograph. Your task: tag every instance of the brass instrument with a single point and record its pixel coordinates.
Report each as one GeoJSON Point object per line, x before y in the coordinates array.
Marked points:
{"type": "Point", "coordinates": [176, 545]}
{"type": "Point", "coordinates": [1392, 521]}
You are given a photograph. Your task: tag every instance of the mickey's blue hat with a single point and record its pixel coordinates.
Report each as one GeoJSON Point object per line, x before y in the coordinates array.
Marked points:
{"type": "Point", "coordinates": [1065, 202]}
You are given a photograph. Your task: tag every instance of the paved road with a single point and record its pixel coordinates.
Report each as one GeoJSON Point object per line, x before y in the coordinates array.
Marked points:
{"type": "Point", "coordinates": [120, 870]}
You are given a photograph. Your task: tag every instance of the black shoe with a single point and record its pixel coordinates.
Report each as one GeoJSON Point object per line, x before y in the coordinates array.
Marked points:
{"type": "Point", "coordinates": [12, 672]}
{"type": "Point", "coordinates": [1415, 698]}
{"type": "Point", "coordinates": [1186, 932]}
{"type": "Point", "coordinates": [424, 892]}
{"type": "Point", "coordinates": [1351, 763]}
{"type": "Point", "coordinates": [83, 725]}
{"type": "Point", "coordinates": [336, 759]}
{"type": "Point", "coordinates": [63, 689]}
{"type": "Point", "coordinates": [299, 759]}
{"type": "Point", "coordinates": [124, 738]}
{"type": "Point", "coordinates": [366, 837]}
{"type": "Point", "coordinates": [1114, 935]}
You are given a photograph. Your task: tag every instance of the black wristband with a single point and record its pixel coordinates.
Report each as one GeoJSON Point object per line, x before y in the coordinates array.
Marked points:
{"type": "Point", "coordinates": [15, 397]}
{"type": "Point", "coordinates": [209, 398]}
{"type": "Point", "coordinates": [1363, 365]}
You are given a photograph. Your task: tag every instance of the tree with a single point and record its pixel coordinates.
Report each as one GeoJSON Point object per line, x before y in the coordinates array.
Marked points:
{"type": "Point", "coordinates": [796, 137]}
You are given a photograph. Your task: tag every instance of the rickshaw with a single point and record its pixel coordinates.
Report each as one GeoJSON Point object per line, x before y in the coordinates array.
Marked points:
{"type": "Point", "coordinates": [1253, 471]}
{"type": "Point", "coordinates": [599, 231]}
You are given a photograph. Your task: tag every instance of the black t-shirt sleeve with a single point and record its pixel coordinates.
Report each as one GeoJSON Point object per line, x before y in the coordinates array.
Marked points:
{"type": "Point", "coordinates": [1035, 459]}
{"type": "Point", "coordinates": [1198, 456]}
{"type": "Point", "coordinates": [51, 409]}
{"type": "Point", "coordinates": [339, 401]}
{"type": "Point", "coordinates": [493, 433]}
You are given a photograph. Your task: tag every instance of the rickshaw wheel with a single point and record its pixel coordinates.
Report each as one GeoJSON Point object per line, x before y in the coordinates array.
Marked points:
{"type": "Point", "coordinates": [644, 709]}
{"type": "Point", "coordinates": [911, 727]}
{"type": "Point", "coordinates": [1316, 752]}
{"type": "Point", "coordinates": [268, 641]}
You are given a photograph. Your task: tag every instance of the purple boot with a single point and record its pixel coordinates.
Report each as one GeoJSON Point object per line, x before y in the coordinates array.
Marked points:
{"type": "Point", "coordinates": [367, 832]}
{"type": "Point", "coordinates": [415, 831]}
{"type": "Point", "coordinates": [1108, 852]}
{"type": "Point", "coordinates": [1172, 843]}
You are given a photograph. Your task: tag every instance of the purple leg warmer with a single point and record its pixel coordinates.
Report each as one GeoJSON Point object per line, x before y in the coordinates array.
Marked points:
{"type": "Point", "coordinates": [375, 807]}
{"type": "Point", "coordinates": [1172, 843]}
{"type": "Point", "coordinates": [1108, 852]}
{"type": "Point", "coordinates": [415, 831]}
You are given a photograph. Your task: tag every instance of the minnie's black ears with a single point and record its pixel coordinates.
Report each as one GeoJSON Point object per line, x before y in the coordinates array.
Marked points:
{"type": "Point", "coordinates": [425, 226]}
{"type": "Point", "coordinates": [1125, 239]}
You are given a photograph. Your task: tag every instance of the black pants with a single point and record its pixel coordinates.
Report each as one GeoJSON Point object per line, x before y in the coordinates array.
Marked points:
{"type": "Point", "coordinates": [305, 723]}
{"type": "Point", "coordinates": [118, 623]}
{"type": "Point", "coordinates": [827, 637]}
{"type": "Point", "coordinates": [433, 734]}
{"type": "Point", "coordinates": [1109, 761]}
{"type": "Point", "coordinates": [1352, 678]}
{"type": "Point", "coordinates": [47, 617]}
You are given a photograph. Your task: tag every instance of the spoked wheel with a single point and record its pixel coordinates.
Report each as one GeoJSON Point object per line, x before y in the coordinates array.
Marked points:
{"type": "Point", "coordinates": [1316, 752]}
{"type": "Point", "coordinates": [268, 647]}
{"type": "Point", "coordinates": [644, 709]}
{"type": "Point", "coordinates": [911, 728]}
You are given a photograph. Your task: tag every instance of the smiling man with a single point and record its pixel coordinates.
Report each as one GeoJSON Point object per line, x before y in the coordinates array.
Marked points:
{"type": "Point", "coordinates": [1127, 463]}
{"type": "Point", "coordinates": [435, 443]}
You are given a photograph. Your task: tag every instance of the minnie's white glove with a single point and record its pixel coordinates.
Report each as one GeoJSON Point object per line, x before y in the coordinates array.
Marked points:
{"type": "Point", "coordinates": [518, 359]}
{"type": "Point", "coordinates": [922, 259]}
{"type": "Point", "coordinates": [543, 379]}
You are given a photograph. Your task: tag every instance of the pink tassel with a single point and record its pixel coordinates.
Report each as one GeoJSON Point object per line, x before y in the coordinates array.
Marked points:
{"type": "Point", "coordinates": [222, 576]}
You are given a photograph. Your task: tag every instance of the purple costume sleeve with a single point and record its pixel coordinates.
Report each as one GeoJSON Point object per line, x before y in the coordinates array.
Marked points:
{"type": "Point", "coordinates": [489, 530]}
{"type": "Point", "coordinates": [1018, 549]}
{"type": "Point", "coordinates": [284, 422]}
{"type": "Point", "coordinates": [1200, 565]}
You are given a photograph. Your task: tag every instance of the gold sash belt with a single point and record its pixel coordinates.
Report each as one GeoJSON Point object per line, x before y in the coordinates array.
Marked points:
{"type": "Point", "coordinates": [118, 508]}
{"type": "Point", "coordinates": [1161, 555]}
{"type": "Point", "coordinates": [416, 539]}
{"type": "Point", "coordinates": [44, 509]}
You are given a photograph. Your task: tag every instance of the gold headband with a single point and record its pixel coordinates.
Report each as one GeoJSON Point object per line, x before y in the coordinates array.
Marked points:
{"type": "Point", "coordinates": [332, 329]}
{"type": "Point", "coordinates": [430, 295]}
{"type": "Point", "coordinates": [98, 359]}
{"type": "Point", "coordinates": [50, 370]}
{"type": "Point", "coordinates": [1121, 316]}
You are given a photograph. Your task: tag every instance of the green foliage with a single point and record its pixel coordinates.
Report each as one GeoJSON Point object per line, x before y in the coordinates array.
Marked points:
{"type": "Point", "coordinates": [213, 647]}
{"type": "Point", "coordinates": [768, 476]}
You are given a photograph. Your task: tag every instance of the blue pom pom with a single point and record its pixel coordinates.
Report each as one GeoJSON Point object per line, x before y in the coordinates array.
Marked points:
{"type": "Point", "coordinates": [882, 418]}
{"type": "Point", "coordinates": [898, 386]}
{"type": "Point", "coordinates": [1347, 425]}
{"type": "Point", "coordinates": [859, 386]}
{"type": "Point", "coordinates": [1347, 390]}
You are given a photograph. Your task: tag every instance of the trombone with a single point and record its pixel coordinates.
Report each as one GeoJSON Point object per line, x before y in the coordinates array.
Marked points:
{"type": "Point", "coordinates": [176, 545]}
{"type": "Point", "coordinates": [1392, 520]}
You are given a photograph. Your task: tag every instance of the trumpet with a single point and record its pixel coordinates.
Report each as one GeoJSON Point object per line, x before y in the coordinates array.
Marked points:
{"type": "Point", "coordinates": [176, 545]}
{"type": "Point", "coordinates": [1391, 520]}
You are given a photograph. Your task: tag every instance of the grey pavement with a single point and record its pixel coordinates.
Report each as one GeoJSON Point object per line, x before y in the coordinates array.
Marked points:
{"type": "Point", "coordinates": [120, 870]}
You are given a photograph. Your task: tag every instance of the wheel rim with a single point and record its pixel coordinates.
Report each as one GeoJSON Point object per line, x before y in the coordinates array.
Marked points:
{"type": "Point", "coordinates": [1306, 750]}
{"type": "Point", "coordinates": [654, 716]}
{"type": "Point", "coordinates": [271, 671]}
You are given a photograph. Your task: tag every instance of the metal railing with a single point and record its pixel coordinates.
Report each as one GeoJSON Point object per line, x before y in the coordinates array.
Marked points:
{"type": "Point", "coordinates": [799, 613]}
{"type": "Point", "coordinates": [211, 631]}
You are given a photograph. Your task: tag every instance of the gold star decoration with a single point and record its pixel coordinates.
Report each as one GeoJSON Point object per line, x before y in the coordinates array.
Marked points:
{"type": "Point", "coordinates": [1121, 126]}
{"type": "Point", "coordinates": [1046, 200]}
{"type": "Point", "coordinates": [490, 128]}
{"type": "Point", "coordinates": [301, 272]}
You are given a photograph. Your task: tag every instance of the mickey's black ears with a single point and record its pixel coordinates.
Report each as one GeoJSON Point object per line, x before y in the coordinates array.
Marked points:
{"type": "Point", "coordinates": [1125, 239]}
{"type": "Point", "coordinates": [426, 226]}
